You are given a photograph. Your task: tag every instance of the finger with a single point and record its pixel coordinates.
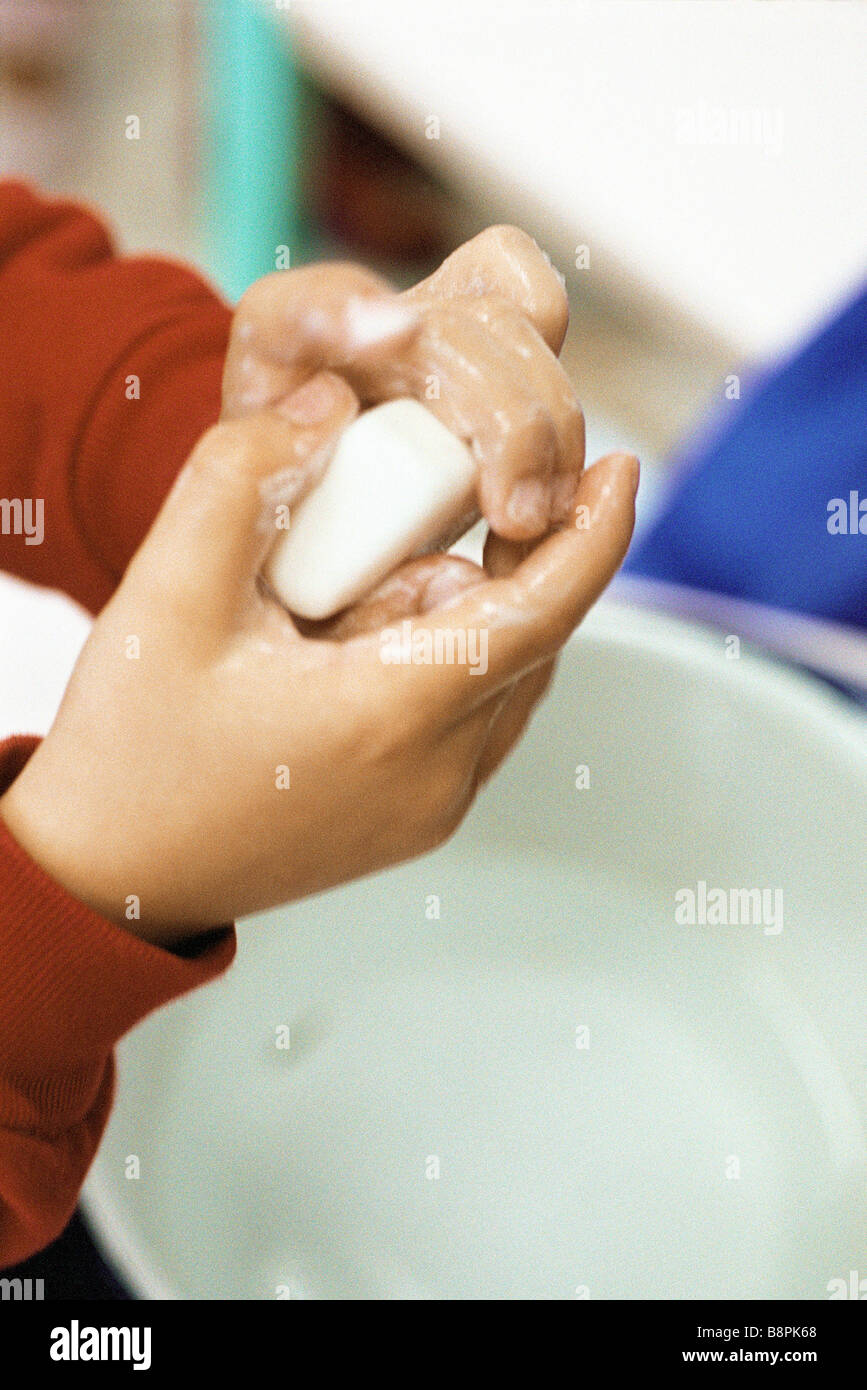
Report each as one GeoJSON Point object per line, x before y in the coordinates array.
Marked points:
{"type": "Point", "coordinates": [502, 390]}
{"type": "Point", "coordinates": [515, 624]}
{"type": "Point", "coordinates": [222, 515]}
{"type": "Point", "coordinates": [291, 324]}
{"type": "Point", "coordinates": [484, 397]}
{"type": "Point", "coordinates": [485, 737]}
{"type": "Point", "coordinates": [501, 558]}
{"type": "Point", "coordinates": [511, 721]}
{"type": "Point", "coordinates": [504, 260]}
{"type": "Point", "coordinates": [545, 377]}
{"type": "Point", "coordinates": [453, 763]}
{"type": "Point", "coordinates": [419, 586]}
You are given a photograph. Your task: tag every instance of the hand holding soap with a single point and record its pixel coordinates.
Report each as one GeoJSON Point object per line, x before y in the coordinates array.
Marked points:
{"type": "Point", "coordinates": [397, 483]}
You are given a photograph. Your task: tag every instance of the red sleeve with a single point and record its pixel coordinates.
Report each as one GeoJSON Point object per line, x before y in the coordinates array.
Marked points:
{"type": "Point", "coordinates": [71, 984]}
{"type": "Point", "coordinates": [110, 370]}
{"type": "Point", "coordinates": [99, 450]}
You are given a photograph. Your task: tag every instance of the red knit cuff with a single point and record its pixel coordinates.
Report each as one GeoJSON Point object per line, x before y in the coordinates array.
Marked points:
{"type": "Point", "coordinates": [71, 982]}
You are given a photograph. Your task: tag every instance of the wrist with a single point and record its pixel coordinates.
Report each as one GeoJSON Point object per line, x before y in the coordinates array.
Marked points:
{"type": "Point", "coordinates": [57, 839]}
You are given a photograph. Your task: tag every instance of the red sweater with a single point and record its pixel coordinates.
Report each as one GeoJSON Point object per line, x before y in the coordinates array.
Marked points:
{"type": "Point", "coordinates": [75, 323]}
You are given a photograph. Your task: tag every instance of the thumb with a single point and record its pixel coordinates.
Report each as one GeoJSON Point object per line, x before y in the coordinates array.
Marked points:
{"type": "Point", "coordinates": [530, 614]}
{"type": "Point", "coordinates": [220, 519]}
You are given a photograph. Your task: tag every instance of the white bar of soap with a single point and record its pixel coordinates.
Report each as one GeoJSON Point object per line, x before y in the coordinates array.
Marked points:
{"type": "Point", "coordinates": [397, 483]}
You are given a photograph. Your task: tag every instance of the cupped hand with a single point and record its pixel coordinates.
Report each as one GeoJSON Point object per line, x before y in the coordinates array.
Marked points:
{"type": "Point", "coordinates": [476, 343]}
{"type": "Point", "coordinates": [210, 760]}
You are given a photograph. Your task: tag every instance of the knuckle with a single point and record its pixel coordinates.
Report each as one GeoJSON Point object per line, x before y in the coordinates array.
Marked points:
{"type": "Point", "coordinates": [500, 312]}
{"type": "Point", "coordinates": [550, 306]}
{"type": "Point", "coordinates": [509, 240]}
{"type": "Point", "coordinates": [358, 279]}
{"type": "Point", "coordinates": [256, 296]}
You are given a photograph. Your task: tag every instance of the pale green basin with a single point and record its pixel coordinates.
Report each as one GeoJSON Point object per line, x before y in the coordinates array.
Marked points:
{"type": "Point", "coordinates": [710, 1139]}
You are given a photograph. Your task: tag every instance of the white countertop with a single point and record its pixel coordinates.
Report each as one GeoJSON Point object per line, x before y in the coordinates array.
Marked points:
{"type": "Point", "coordinates": [711, 153]}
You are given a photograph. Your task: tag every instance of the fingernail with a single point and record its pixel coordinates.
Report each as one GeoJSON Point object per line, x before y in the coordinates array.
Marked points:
{"type": "Point", "coordinates": [529, 503]}
{"type": "Point", "coordinates": [316, 400]}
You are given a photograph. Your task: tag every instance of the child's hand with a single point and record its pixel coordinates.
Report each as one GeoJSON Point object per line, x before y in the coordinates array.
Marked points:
{"type": "Point", "coordinates": [476, 343]}
{"type": "Point", "coordinates": [208, 760]}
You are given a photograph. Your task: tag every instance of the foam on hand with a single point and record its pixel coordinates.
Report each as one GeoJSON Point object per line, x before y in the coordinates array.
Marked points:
{"type": "Point", "coordinates": [398, 482]}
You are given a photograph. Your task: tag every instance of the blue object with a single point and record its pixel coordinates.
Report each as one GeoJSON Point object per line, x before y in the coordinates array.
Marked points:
{"type": "Point", "coordinates": [756, 498]}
